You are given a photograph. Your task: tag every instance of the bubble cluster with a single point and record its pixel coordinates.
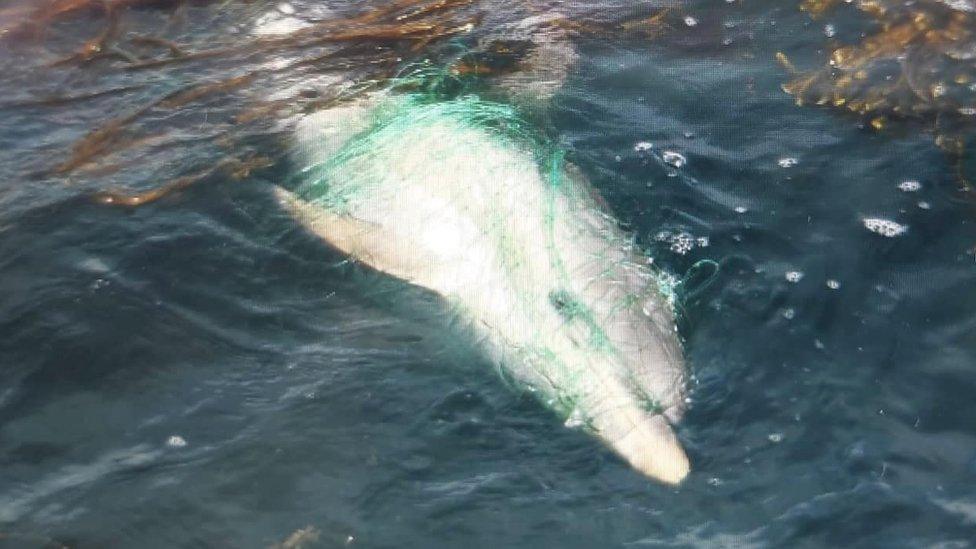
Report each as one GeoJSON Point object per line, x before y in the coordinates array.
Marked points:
{"type": "Point", "coordinates": [787, 162]}
{"type": "Point", "coordinates": [884, 227]}
{"type": "Point", "coordinates": [910, 186]}
{"type": "Point", "coordinates": [682, 242]}
{"type": "Point", "coordinates": [794, 276]}
{"type": "Point", "coordinates": [176, 441]}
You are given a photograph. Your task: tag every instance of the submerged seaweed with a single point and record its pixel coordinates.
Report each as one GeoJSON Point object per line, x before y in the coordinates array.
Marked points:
{"type": "Point", "coordinates": [313, 62]}
{"type": "Point", "coordinates": [917, 63]}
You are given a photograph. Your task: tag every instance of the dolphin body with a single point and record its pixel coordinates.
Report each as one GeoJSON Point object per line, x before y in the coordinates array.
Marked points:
{"type": "Point", "coordinates": [522, 252]}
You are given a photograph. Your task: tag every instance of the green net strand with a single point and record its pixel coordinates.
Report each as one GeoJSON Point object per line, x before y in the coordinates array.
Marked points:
{"type": "Point", "coordinates": [390, 119]}
{"type": "Point", "coordinates": [695, 283]}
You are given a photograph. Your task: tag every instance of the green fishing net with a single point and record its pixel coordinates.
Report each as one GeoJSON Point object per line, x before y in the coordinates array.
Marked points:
{"type": "Point", "coordinates": [548, 238]}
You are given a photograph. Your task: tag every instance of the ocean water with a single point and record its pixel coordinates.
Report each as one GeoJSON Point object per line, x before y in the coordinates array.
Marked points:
{"type": "Point", "coordinates": [199, 372]}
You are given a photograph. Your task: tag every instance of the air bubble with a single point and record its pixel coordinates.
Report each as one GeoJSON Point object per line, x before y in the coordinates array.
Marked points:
{"type": "Point", "coordinates": [794, 276]}
{"type": "Point", "coordinates": [643, 146]}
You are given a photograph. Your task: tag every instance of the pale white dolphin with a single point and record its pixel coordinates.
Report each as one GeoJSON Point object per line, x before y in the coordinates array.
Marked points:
{"type": "Point", "coordinates": [544, 278]}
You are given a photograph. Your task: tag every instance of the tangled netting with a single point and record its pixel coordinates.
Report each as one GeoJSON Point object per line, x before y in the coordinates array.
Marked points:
{"type": "Point", "coordinates": [395, 117]}
{"type": "Point", "coordinates": [530, 232]}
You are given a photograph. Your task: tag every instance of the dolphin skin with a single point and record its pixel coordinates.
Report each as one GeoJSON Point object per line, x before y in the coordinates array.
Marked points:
{"type": "Point", "coordinates": [448, 196]}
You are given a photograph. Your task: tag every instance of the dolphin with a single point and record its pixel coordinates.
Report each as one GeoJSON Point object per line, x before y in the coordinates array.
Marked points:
{"type": "Point", "coordinates": [519, 247]}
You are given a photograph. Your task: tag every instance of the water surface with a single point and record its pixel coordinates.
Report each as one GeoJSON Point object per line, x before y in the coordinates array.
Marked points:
{"type": "Point", "coordinates": [198, 372]}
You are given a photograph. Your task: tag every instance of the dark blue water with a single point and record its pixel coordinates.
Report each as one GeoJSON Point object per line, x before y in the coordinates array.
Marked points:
{"type": "Point", "coordinates": [198, 372]}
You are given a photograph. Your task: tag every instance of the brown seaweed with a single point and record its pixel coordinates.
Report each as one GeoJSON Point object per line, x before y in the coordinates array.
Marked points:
{"type": "Point", "coordinates": [372, 42]}
{"type": "Point", "coordinates": [918, 65]}
{"type": "Point", "coordinates": [60, 100]}
{"type": "Point", "coordinates": [423, 23]}
{"type": "Point", "coordinates": [200, 91]}
{"type": "Point", "coordinates": [236, 169]}
{"type": "Point", "coordinates": [174, 49]}
{"type": "Point", "coordinates": [99, 142]}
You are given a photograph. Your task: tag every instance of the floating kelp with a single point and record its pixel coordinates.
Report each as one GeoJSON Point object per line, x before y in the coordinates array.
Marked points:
{"type": "Point", "coordinates": [234, 88]}
{"type": "Point", "coordinates": [919, 63]}
{"type": "Point", "coordinates": [229, 167]}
